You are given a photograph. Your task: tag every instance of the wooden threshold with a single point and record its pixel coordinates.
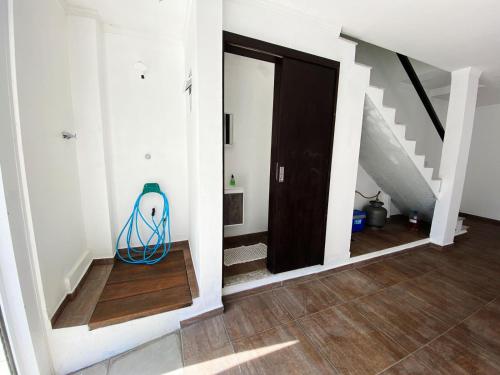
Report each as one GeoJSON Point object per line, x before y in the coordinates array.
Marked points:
{"type": "Point", "coordinates": [114, 292]}
{"type": "Point", "coordinates": [77, 307]}
{"type": "Point", "coordinates": [204, 316]}
{"type": "Point", "coordinates": [295, 280]}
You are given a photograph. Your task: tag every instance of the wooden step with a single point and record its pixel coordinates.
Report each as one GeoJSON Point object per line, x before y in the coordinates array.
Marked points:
{"type": "Point", "coordinates": [134, 291]}
{"type": "Point", "coordinates": [77, 309]}
{"type": "Point", "coordinates": [119, 292]}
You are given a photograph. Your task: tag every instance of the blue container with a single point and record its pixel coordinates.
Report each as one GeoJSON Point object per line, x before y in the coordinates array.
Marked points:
{"type": "Point", "coordinates": [358, 221]}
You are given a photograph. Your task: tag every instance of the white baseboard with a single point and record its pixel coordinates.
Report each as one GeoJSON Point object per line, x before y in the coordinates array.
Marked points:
{"type": "Point", "coordinates": [74, 276]}
{"type": "Point", "coordinates": [316, 269]}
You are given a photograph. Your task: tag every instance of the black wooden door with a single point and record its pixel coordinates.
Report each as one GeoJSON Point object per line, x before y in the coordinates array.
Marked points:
{"type": "Point", "coordinates": [303, 126]}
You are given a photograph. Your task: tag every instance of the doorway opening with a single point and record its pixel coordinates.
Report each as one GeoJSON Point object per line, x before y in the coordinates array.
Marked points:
{"type": "Point", "coordinates": [400, 151]}
{"type": "Point", "coordinates": [279, 111]}
{"type": "Point", "coordinates": [248, 118]}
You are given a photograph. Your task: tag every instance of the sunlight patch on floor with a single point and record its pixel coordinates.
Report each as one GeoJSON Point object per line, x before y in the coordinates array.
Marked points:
{"type": "Point", "coordinates": [225, 363]}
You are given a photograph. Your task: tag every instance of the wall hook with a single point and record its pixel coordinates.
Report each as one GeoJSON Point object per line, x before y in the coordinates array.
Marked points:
{"type": "Point", "coordinates": [68, 135]}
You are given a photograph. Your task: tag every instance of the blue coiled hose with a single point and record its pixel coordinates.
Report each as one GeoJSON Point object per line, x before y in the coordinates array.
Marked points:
{"type": "Point", "coordinates": [148, 254]}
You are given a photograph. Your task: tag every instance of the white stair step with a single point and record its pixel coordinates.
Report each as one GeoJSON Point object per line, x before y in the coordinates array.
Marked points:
{"type": "Point", "coordinates": [376, 95]}
{"type": "Point", "coordinates": [389, 114]}
{"type": "Point", "coordinates": [410, 147]}
{"type": "Point", "coordinates": [420, 161]}
{"type": "Point", "coordinates": [435, 185]}
{"type": "Point", "coordinates": [400, 131]}
{"type": "Point", "coordinates": [428, 172]}
{"type": "Point", "coordinates": [390, 158]}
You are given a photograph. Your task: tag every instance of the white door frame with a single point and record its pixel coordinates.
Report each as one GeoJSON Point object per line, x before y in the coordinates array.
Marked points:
{"type": "Point", "coordinates": [20, 296]}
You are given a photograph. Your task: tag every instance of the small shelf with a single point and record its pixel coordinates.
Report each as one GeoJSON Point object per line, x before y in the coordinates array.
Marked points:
{"type": "Point", "coordinates": [234, 190]}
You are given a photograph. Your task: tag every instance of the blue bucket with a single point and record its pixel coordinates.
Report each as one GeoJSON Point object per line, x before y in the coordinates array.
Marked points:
{"type": "Point", "coordinates": [358, 221]}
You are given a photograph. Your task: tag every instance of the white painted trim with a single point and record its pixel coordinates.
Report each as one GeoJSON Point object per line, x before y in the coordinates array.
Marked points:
{"type": "Point", "coordinates": [196, 313]}
{"type": "Point", "coordinates": [391, 250]}
{"type": "Point", "coordinates": [120, 30]}
{"type": "Point", "coordinates": [75, 275]}
{"type": "Point", "coordinates": [74, 10]}
{"type": "Point", "coordinates": [316, 269]}
{"type": "Point", "coordinates": [187, 18]}
{"type": "Point", "coordinates": [22, 296]}
{"type": "Point", "coordinates": [63, 4]}
{"type": "Point", "coordinates": [325, 23]}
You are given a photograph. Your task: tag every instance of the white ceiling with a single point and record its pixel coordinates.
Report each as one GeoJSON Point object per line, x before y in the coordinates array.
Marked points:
{"type": "Point", "coordinates": [157, 17]}
{"type": "Point", "coordinates": [448, 34]}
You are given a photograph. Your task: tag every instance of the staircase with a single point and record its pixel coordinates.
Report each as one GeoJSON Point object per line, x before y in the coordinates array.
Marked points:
{"type": "Point", "coordinates": [391, 160]}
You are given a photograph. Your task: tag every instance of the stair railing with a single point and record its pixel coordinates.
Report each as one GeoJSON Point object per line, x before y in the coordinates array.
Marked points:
{"type": "Point", "coordinates": [405, 61]}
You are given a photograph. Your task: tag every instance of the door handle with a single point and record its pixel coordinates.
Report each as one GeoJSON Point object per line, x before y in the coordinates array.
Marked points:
{"type": "Point", "coordinates": [280, 173]}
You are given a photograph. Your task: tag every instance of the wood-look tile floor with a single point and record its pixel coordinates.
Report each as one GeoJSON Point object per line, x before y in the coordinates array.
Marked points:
{"type": "Point", "coordinates": [423, 312]}
{"type": "Point", "coordinates": [394, 233]}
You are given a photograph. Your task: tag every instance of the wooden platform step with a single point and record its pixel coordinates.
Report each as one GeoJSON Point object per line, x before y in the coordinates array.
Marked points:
{"type": "Point", "coordinates": [120, 292]}
{"type": "Point", "coordinates": [77, 309]}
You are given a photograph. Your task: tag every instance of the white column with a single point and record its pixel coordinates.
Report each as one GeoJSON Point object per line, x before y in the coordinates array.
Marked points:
{"type": "Point", "coordinates": [204, 60]}
{"type": "Point", "coordinates": [459, 124]}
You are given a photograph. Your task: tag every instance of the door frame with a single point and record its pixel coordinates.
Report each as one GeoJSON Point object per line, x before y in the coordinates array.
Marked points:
{"type": "Point", "coordinates": [260, 50]}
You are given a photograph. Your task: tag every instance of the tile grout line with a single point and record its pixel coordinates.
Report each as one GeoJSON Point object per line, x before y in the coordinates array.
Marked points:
{"type": "Point", "coordinates": [439, 336]}
{"type": "Point", "coordinates": [316, 348]}
{"type": "Point", "coordinates": [318, 277]}
{"type": "Point", "coordinates": [230, 342]}
{"type": "Point", "coordinates": [298, 320]}
{"type": "Point", "coordinates": [182, 348]}
{"type": "Point", "coordinates": [292, 320]}
{"type": "Point", "coordinates": [108, 365]}
{"type": "Point", "coordinates": [342, 303]}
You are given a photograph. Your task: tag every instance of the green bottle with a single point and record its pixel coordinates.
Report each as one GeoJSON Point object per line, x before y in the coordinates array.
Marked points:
{"type": "Point", "coordinates": [232, 181]}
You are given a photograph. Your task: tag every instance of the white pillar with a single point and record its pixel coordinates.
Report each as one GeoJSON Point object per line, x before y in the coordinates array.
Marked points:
{"type": "Point", "coordinates": [204, 60]}
{"type": "Point", "coordinates": [459, 124]}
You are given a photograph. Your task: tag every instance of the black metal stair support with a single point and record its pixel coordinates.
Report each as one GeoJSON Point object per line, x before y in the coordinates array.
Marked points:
{"type": "Point", "coordinates": [405, 61]}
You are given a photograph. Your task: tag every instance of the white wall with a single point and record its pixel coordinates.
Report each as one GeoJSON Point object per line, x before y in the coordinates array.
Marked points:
{"type": "Point", "coordinates": [44, 92]}
{"type": "Point", "coordinates": [146, 116]}
{"type": "Point", "coordinates": [482, 182]}
{"type": "Point", "coordinates": [275, 24]}
{"type": "Point", "coordinates": [192, 118]}
{"type": "Point", "coordinates": [366, 186]}
{"type": "Point", "coordinates": [388, 74]}
{"type": "Point", "coordinates": [203, 48]}
{"type": "Point", "coordinates": [149, 116]}
{"type": "Point", "coordinates": [86, 70]}
{"type": "Point", "coordinates": [248, 95]}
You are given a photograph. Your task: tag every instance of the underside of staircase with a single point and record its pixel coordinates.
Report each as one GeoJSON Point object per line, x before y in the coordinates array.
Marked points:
{"type": "Point", "coordinates": [390, 159]}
